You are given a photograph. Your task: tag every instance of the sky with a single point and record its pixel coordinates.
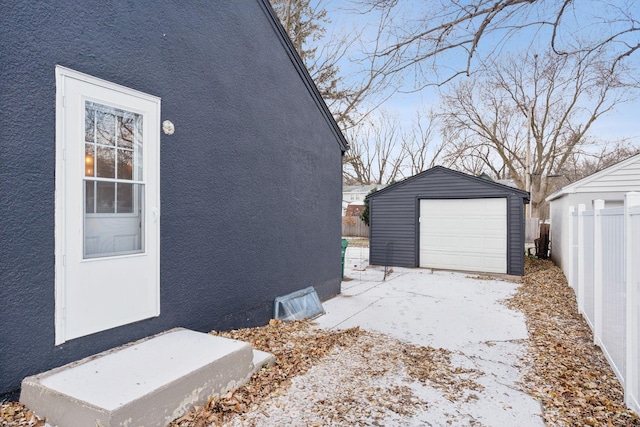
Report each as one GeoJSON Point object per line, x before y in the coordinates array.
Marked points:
{"type": "Point", "coordinates": [619, 124]}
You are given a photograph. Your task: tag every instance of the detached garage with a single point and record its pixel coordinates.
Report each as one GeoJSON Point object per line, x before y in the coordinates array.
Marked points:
{"type": "Point", "coordinates": [446, 219]}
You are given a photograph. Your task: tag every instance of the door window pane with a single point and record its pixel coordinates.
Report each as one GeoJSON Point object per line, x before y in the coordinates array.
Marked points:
{"type": "Point", "coordinates": [126, 131]}
{"type": "Point", "coordinates": [125, 197]}
{"type": "Point", "coordinates": [89, 160]}
{"type": "Point", "coordinates": [125, 164]}
{"type": "Point", "coordinates": [89, 125]}
{"type": "Point", "coordinates": [137, 163]}
{"type": "Point", "coordinates": [89, 196]}
{"type": "Point", "coordinates": [105, 128]}
{"type": "Point", "coordinates": [106, 162]}
{"type": "Point", "coordinates": [105, 197]}
{"type": "Point", "coordinates": [110, 235]}
{"type": "Point", "coordinates": [113, 193]}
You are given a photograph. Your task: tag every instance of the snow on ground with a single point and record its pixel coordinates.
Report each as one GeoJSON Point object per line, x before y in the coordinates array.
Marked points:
{"type": "Point", "coordinates": [460, 313]}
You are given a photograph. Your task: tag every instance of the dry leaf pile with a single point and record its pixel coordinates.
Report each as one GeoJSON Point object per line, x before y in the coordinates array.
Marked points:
{"type": "Point", "coordinates": [369, 382]}
{"type": "Point", "coordinates": [571, 376]}
{"type": "Point", "coordinates": [14, 414]}
{"type": "Point", "coordinates": [296, 346]}
{"type": "Point", "coordinates": [433, 367]}
{"type": "Point", "coordinates": [355, 386]}
{"type": "Point", "coordinates": [363, 379]}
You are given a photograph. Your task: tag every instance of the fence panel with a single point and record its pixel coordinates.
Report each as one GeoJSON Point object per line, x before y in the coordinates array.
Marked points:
{"type": "Point", "coordinates": [614, 290]}
{"type": "Point", "coordinates": [353, 226]}
{"type": "Point", "coordinates": [574, 251]}
{"type": "Point", "coordinates": [531, 230]}
{"type": "Point", "coordinates": [632, 390]}
{"type": "Point", "coordinates": [587, 265]}
{"type": "Point", "coordinates": [605, 249]}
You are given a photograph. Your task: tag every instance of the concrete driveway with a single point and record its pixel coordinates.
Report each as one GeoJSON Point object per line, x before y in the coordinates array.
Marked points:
{"type": "Point", "coordinates": [460, 312]}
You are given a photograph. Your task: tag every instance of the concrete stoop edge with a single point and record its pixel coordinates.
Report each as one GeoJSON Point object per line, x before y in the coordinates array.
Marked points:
{"type": "Point", "coordinates": [149, 382]}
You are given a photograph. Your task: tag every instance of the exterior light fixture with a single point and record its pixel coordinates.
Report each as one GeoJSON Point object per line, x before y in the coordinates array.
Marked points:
{"type": "Point", "coordinates": [168, 128]}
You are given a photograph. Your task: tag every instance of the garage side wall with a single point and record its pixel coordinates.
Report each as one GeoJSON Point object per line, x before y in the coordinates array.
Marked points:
{"type": "Point", "coordinates": [515, 236]}
{"type": "Point", "coordinates": [394, 211]}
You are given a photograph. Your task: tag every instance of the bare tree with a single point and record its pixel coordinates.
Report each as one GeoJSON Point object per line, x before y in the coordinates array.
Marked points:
{"type": "Point", "coordinates": [305, 25]}
{"type": "Point", "coordinates": [382, 152]}
{"type": "Point", "coordinates": [555, 104]}
{"type": "Point", "coordinates": [603, 155]}
{"type": "Point", "coordinates": [484, 28]}
{"type": "Point", "coordinates": [350, 97]}
{"type": "Point", "coordinates": [536, 107]}
{"type": "Point", "coordinates": [420, 145]}
{"type": "Point", "coordinates": [376, 155]}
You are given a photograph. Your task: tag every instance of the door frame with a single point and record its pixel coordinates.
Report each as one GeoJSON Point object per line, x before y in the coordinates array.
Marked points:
{"type": "Point", "coordinates": [61, 185]}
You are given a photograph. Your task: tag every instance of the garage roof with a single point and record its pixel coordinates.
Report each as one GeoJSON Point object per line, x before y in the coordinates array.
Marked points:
{"type": "Point", "coordinates": [463, 175]}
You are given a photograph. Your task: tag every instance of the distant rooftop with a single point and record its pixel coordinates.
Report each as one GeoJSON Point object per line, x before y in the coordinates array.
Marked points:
{"type": "Point", "coordinates": [362, 188]}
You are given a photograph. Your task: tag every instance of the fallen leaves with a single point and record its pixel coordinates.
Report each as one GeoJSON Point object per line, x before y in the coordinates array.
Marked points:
{"type": "Point", "coordinates": [433, 366]}
{"type": "Point", "coordinates": [341, 378]}
{"type": "Point", "coordinates": [296, 347]}
{"type": "Point", "coordinates": [363, 384]}
{"type": "Point", "coordinates": [16, 414]}
{"type": "Point", "coordinates": [570, 375]}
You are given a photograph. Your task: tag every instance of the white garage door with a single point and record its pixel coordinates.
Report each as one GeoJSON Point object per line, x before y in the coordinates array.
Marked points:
{"type": "Point", "coordinates": [464, 234]}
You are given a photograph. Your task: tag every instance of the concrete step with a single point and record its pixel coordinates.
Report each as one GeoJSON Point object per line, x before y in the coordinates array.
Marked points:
{"type": "Point", "coordinates": [146, 383]}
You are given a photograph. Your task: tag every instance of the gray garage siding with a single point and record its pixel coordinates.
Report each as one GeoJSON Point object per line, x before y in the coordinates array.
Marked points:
{"type": "Point", "coordinates": [515, 225]}
{"type": "Point", "coordinates": [394, 227]}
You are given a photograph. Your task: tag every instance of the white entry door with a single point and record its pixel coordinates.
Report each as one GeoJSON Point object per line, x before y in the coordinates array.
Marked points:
{"type": "Point", "coordinates": [107, 205]}
{"type": "Point", "coordinates": [464, 234]}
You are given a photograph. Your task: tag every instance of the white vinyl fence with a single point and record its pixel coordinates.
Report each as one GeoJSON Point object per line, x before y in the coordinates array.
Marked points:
{"type": "Point", "coordinates": [605, 274]}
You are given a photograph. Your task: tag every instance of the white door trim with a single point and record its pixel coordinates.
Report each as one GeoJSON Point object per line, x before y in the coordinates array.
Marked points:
{"type": "Point", "coordinates": [63, 75]}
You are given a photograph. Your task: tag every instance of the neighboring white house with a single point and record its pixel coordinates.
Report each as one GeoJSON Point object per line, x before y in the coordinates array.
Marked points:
{"type": "Point", "coordinates": [357, 193]}
{"type": "Point", "coordinates": [609, 184]}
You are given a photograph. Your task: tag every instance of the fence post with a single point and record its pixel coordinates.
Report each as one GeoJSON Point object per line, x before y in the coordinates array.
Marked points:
{"type": "Point", "coordinates": [597, 272]}
{"type": "Point", "coordinates": [632, 278]}
{"type": "Point", "coordinates": [581, 265]}
{"type": "Point", "coordinates": [569, 262]}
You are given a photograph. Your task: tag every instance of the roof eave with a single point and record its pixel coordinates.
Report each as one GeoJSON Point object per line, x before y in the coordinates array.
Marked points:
{"type": "Point", "coordinates": [526, 195]}
{"type": "Point", "coordinates": [304, 73]}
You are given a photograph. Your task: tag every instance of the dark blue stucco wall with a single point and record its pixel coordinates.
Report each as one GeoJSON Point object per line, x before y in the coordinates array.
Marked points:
{"type": "Point", "coordinates": [250, 181]}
